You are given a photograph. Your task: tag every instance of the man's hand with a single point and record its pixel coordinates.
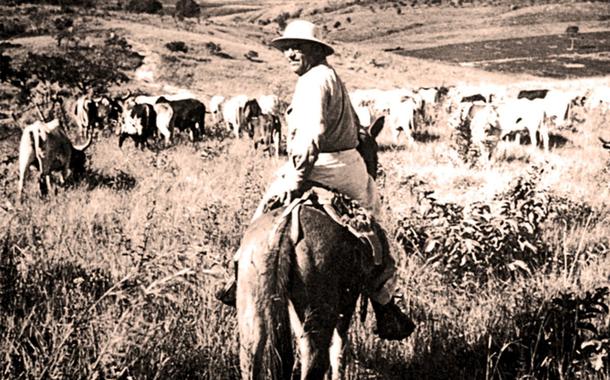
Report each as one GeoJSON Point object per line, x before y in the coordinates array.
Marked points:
{"type": "Point", "coordinates": [288, 196]}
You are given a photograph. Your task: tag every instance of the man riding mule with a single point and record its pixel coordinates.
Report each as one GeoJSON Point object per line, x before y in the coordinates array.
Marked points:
{"type": "Point", "coordinates": [323, 150]}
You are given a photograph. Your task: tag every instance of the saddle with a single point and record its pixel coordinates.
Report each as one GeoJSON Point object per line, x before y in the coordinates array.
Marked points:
{"type": "Point", "coordinates": [339, 207]}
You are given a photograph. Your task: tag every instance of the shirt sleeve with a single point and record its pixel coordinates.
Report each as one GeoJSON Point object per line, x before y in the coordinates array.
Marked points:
{"type": "Point", "coordinates": [308, 123]}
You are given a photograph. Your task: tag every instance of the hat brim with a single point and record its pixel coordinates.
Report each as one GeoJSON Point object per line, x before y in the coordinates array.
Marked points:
{"type": "Point", "coordinates": [282, 43]}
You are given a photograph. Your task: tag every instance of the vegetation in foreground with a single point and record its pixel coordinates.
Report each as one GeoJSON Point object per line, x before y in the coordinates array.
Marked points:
{"type": "Point", "coordinates": [114, 277]}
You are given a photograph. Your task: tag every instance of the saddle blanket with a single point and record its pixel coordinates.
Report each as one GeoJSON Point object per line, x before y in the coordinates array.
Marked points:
{"type": "Point", "coordinates": [342, 209]}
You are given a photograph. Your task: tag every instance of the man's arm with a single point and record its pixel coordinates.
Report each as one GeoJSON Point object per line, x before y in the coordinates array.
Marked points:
{"type": "Point", "coordinates": [308, 120]}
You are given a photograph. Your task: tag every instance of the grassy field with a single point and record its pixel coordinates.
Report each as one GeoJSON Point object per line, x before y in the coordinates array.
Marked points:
{"type": "Point", "coordinates": [503, 268]}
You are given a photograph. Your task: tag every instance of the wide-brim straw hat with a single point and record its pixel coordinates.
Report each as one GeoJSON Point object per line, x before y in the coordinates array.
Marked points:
{"type": "Point", "coordinates": [299, 31]}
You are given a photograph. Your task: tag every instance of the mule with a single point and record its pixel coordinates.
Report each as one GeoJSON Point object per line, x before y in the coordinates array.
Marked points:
{"type": "Point", "coordinates": [309, 286]}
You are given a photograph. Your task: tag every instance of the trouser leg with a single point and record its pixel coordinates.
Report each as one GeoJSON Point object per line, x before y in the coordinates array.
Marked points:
{"type": "Point", "coordinates": [381, 281]}
{"type": "Point", "coordinates": [392, 323]}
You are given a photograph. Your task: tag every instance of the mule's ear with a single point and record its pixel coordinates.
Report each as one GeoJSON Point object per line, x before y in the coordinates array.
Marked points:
{"type": "Point", "coordinates": [377, 126]}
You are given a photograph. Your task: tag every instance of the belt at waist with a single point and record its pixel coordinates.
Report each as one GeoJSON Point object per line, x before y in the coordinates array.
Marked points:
{"type": "Point", "coordinates": [337, 150]}
{"type": "Point", "coordinates": [339, 155]}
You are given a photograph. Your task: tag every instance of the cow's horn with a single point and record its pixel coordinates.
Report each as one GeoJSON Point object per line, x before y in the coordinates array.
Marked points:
{"type": "Point", "coordinates": [603, 141]}
{"type": "Point", "coordinates": [126, 96]}
{"type": "Point", "coordinates": [85, 145]}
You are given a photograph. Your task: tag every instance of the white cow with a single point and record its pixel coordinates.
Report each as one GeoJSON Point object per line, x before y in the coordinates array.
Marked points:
{"type": "Point", "coordinates": [216, 105]}
{"type": "Point", "coordinates": [232, 113]}
{"type": "Point", "coordinates": [48, 145]}
{"type": "Point", "coordinates": [364, 115]}
{"type": "Point", "coordinates": [519, 114]}
{"type": "Point", "coordinates": [557, 106]}
{"type": "Point", "coordinates": [269, 104]}
{"type": "Point", "coordinates": [402, 118]}
{"type": "Point", "coordinates": [598, 98]}
{"type": "Point", "coordinates": [164, 113]}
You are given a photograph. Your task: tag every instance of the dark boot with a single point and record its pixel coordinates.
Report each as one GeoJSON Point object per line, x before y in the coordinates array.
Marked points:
{"type": "Point", "coordinates": [392, 323]}
{"type": "Point", "coordinates": [228, 293]}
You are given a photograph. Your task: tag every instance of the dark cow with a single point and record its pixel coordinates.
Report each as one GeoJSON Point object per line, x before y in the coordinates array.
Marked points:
{"type": "Point", "coordinates": [473, 98]}
{"type": "Point", "coordinates": [250, 113]}
{"type": "Point", "coordinates": [139, 123]}
{"type": "Point", "coordinates": [110, 109]}
{"type": "Point", "coordinates": [266, 131]}
{"type": "Point", "coordinates": [188, 114]}
{"type": "Point", "coordinates": [532, 94]}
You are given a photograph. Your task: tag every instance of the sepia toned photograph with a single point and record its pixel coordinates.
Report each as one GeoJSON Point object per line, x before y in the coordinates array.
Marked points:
{"type": "Point", "coordinates": [316, 189]}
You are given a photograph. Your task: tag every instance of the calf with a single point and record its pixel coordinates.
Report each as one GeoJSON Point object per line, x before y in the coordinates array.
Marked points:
{"type": "Point", "coordinates": [48, 147]}
{"type": "Point", "coordinates": [188, 114]}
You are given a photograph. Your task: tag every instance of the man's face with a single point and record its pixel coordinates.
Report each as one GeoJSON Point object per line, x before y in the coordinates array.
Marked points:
{"type": "Point", "coordinates": [299, 57]}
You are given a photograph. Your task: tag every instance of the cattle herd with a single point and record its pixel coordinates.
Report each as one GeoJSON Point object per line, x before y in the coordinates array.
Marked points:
{"type": "Point", "coordinates": [490, 113]}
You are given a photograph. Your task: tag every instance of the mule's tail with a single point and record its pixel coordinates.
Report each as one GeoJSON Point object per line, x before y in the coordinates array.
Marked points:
{"type": "Point", "coordinates": [262, 305]}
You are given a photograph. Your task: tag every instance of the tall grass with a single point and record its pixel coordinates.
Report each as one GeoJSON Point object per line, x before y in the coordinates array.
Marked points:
{"type": "Point", "coordinates": [113, 277]}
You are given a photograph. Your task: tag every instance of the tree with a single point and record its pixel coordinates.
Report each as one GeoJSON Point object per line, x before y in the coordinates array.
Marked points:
{"type": "Point", "coordinates": [41, 77]}
{"type": "Point", "coordinates": [144, 6]}
{"type": "Point", "coordinates": [187, 8]}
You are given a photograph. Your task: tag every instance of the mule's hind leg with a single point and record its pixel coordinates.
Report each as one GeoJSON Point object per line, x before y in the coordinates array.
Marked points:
{"type": "Point", "coordinates": [313, 346]}
{"type": "Point", "coordinates": [338, 350]}
{"type": "Point", "coordinates": [339, 345]}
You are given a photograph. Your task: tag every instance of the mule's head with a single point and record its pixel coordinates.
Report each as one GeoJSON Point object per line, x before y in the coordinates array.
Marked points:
{"type": "Point", "coordinates": [367, 145]}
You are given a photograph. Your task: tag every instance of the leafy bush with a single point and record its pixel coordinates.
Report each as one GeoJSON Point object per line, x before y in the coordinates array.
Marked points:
{"type": "Point", "coordinates": [558, 338]}
{"type": "Point", "coordinates": [281, 19]}
{"type": "Point", "coordinates": [216, 49]}
{"type": "Point", "coordinates": [462, 143]}
{"type": "Point", "coordinates": [176, 46]}
{"type": "Point", "coordinates": [144, 6]}
{"type": "Point", "coordinates": [12, 27]}
{"type": "Point", "coordinates": [471, 245]}
{"type": "Point", "coordinates": [187, 8]}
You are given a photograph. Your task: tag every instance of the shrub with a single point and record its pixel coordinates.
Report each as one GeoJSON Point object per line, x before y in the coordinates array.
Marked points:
{"type": "Point", "coordinates": [144, 6]}
{"type": "Point", "coordinates": [558, 338]}
{"type": "Point", "coordinates": [177, 46]}
{"type": "Point", "coordinates": [474, 244]}
{"type": "Point", "coordinates": [187, 8]}
{"type": "Point", "coordinates": [12, 27]}
{"type": "Point", "coordinates": [281, 19]}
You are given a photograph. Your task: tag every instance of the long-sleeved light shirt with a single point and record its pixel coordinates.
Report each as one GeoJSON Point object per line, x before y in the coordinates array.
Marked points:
{"type": "Point", "coordinates": [320, 119]}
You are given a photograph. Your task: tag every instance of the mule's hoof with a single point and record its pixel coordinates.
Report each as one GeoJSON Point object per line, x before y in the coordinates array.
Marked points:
{"type": "Point", "coordinates": [227, 294]}
{"type": "Point", "coordinates": [392, 323]}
